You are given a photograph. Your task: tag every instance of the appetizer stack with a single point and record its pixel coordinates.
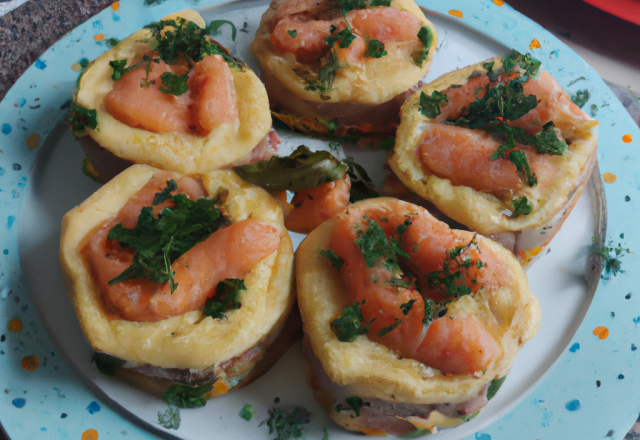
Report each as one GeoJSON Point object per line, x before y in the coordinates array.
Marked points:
{"type": "Point", "coordinates": [181, 269]}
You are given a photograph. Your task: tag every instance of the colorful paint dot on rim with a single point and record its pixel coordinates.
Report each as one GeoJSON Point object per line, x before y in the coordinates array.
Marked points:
{"type": "Point", "coordinates": [609, 177]}
{"type": "Point", "coordinates": [90, 434]}
{"type": "Point", "coordinates": [76, 67]}
{"type": "Point", "coordinates": [15, 325]}
{"type": "Point", "coordinates": [626, 138]}
{"type": "Point", "coordinates": [601, 332]}
{"type": "Point", "coordinates": [98, 37]}
{"type": "Point", "coordinates": [33, 141]}
{"type": "Point", "coordinates": [498, 2]}
{"type": "Point", "coordinates": [115, 6]}
{"type": "Point", "coordinates": [456, 13]}
{"type": "Point", "coordinates": [19, 402]}
{"type": "Point", "coordinates": [573, 405]}
{"type": "Point", "coordinates": [30, 363]}
{"type": "Point", "coordinates": [535, 44]}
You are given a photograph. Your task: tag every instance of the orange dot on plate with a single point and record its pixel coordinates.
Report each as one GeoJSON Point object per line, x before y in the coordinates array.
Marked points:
{"type": "Point", "coordinates": [499, 2]}
{"type": "Point", "coordinates": [15, 325]}
{"type": "Point", "coordinates": [30, 363]}
{"type": "Point", "coordinates": [609, 178]}
{"type": "Point", "coordinates": [456, 13]}
{"type": "Point", "coordinates": [98, 37]}
{"type": "Point", "coordinates": [115, 6]}
{"type": "Point", "coordinates": [601, 332]}
{"type": "Point", "coordinates": [33, 141]}
{"type": "Point", "coordinates": [626, 138]}
{"type": "Point", "coordinates": [90, 434]}
{"type": "Point", "coordinates": [535, 44]}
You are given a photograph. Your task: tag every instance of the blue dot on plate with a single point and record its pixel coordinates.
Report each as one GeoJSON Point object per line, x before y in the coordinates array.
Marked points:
{"type": "Point", "coordinates": [116, 17]}
{"type": "Point", "coordinates": [19, 402]}
{"type": "Point", "coordinates": [41, 65]}
{"type": "Point", "coordinates": [93, 407]}
{"type": "Point", "coordinates": [575, 347]}
{"type": "Point", "coordinates": [10, 221]}
{"type": "Point", "coordinates": [573, 405]}
{"type": "Point", "coordinates": [21, 102]}
{"type": "Point", "coordinates": [43, 429]}
{"type": "Point", "coordinates": [481, 436]}
{"type": "Point", "coordinates": [6, 128]}
{"type": "Point", "coordinates": [5, 251]}
{"type": "Point", "coordinates": [620, 376]}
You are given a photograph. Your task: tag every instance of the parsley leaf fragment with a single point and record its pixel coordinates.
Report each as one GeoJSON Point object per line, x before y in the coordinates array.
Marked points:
{"type": "Point", "coordinates": [247, 412]}
{"type": "Point", "coordinates": [184, 396]}
{"type": "Point", "coordinates": [494, 386]}
{"type": "Point", "coordinates": [165, 194]}
{"type": "Point", "coordinates": [521, 206]}
{"type": "Point", "coordinates": [406, 307]}
{"type": "Point", "coordinates": [425, 35]}
{"type": "Point", "coordinates": [493, 76]}
{"type": "Point", "coordinates": [173, 84]}
{"type": "Point", "coordinates": [527, 63]}
{"type": "Point", "coordinates": [225, 298]}
{"type": "Point", "coordinates": [170, 419]}
{"type": "Point", "coordinates": [356, 403]}
{"type": "Point", "coordinates": [581, 97]}
{"type": "Point", "coordinates": [451, 280]}
{"type": "Point", "coordinates": [387, 329]}
{"type": "Point", "coordinates": [388, 144]}
{"type": "Point", "coordinates": [348, 326]}
{"type": "Point", "coordinates": [80, 118]}
{"type": "Point", "coordinates": [375, 48]}
{"type": "Point", "coordinates": [612, 263]}
{"type": "Point", "coordinates": [287, 423]}
{"type": "Point", "coordinates": [335, 259]}
{"type": "Point", "coordinates": [118, 67]}
{"type": "Point", "coordinates": [430, 105]}
{"type": "Point", "coordinates": [292, 33]}
{"type": "Point", "coordinates": [107, 364]}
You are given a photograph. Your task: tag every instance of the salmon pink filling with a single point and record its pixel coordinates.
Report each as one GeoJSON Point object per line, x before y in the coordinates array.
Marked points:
{"type": "Point", "coordinates": [137, 100]}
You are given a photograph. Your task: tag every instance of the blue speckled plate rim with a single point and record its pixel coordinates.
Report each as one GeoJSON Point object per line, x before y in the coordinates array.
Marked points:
{"type": "Point", "coordinates": [591, 392]}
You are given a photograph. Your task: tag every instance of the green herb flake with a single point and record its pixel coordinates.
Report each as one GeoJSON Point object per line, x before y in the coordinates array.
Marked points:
{"type": "Point", "coordinates": [380, 3]}
{"type": "Point", "coordinates": [451, 280]}
{"type": "Point", "coordinates": [348, 326]}
{"type": "Point", "coordinates": [213, 28]}
{"type": "Point", "coordinates": [490, 73]}
{"type": "Point", "coordinates": [225, 298]}
{"type": "Point", "coordinates": [387, 329]}
{"type": "Point", "coordinates": [375, 48]}
{"type": "Point", "coordinates": [415, 247]}
{"type": "Point", "coordinates": [361, 185]}
{"type": "Point", "coordinates": [335, 259]}
{"type": "Point", "coordinates": [165, 194]}
{"type": "Point", "coordinates": [349, 5]}
{"type": "Point", "coordinates": [406, 307]}
{"type": "Point", "coordinates": [326, 433]}
{"type": "Point", "coordinates": [164, 239]}
{"type": "Point", "coordinates": [89, 171]}
{"type": "Point", "coordinates": [612, 263]}
{"type": "Point", "coordinates": [323, 82]}
{"type": "Point", "coordinates": [581, 97]}
{"type": "Point", "coordinates": [373, 243]}
{"type": "Point", "coordinates": [111, 42]}
{"type": "Point", "coordinates": [293, 33]}
{"type": "Point", "coordinates": [430, 105]}
{"type": "Point", "coordinates": [429, 310]}
{"type": "Point", "coordinates": [80, 118]}
{"type": "Point", "coordinates": [356, 403]}
{"type": "Point", "coordinates": [107, 364]}
{"type": "Point", "coordinates": [519, 159]}
{"type": "Point", "coordinates": [170, 419]}
{"type": "Point", "coordinates": [287, 423]}
{"type": "Point", "coordinates": [395, 282]}
{"type": "Point", "coordinates": [247, 412]}
{"type": "Point", "coordinates": [388, 144]}
{"type": "Point", "coordinates": [118, 67]}
{"type": "Point", "coordinates": [526, 62]}
{"type": "Point", "coordinates": [184, 396]}
{"type": "Point", "coordinates": [521, 206]}
{"type": "Point", "coordinates": [173, 84]}
{"type": "Point", "coordinates": [419, 432]}
{"type": "Point", "coordinates": [425, 35]}
{"type": "Point", "coordinates": [494, 386]}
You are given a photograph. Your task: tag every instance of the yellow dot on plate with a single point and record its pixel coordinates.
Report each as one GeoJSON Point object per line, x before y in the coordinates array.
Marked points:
{"type": "Point", "coordinates": [626, 138]}
{"type": "Point", "coordinates": [33, 141]}
{"type": "Point", "coordinates": [601, 332]}
{"type": "Point", "coordinates": [76, 67]}
{"type": "Point", "coordinates": [456, 13]}
{"type": "Point", "coordinates": [98, 37]}
{"type": "Point", "coordinates": [30, 363]}
{"type": "Point", "coordinates": [499, 2]}
{"type": "Point", "coordinates": [15, 325]}
{"type": "Point", "coordinates": [90, 434]}
{"type": "Point", "coordinates": [536, 251]}
{"type": "Point", "coordinates": [535, 44]}
{"type": "Point", "coordinates": [609, 178]}
{"type": "Point", "coordinates": [115, 6]}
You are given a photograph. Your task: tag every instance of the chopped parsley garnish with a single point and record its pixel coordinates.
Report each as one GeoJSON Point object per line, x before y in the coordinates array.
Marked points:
{"type": "Point", "coordinates": [612, 263]}
{"type": "Point", "coordinates": [406, 307]}
{"type": "Point", "coordinates": [80, 118]}
{"type": "Point", "coordinates": [326, 433]}
{"type": "Point", "coordinates": [388, 144]}
{"type": "Point", "coordinates": [332, 125]}
{"type": "Point", "coordinates": [375, 245]}
{"type": "Point", "coordinates": [119, 69]}
{"type": "Point", "coordinates": [247, 412]}
{"type": "Point", "coordinates": [526, 62]}
{"type": "Point", "coordinates": [361, 185]}
{"type": "Point", "coordinates": [581, 97]}
{"type": "Point", "coordinates": [375, 48]}
{"type": "Point", "coordinates": [387, 329]}
{"type": "Point", "coordinates": [348, 326]}
{"type": "Point", "coordinates": [327, 73]}
{"type": "Point", "coordinates": [173, 84]}
{"type": "Point", "coordinates": [184, 396]}
{"type": "Point", "coordinates": [165, 194]}
{"type": "Point", "coordinates": [519, 159]}
{"type": "Point", "coordinates": [429, 310]}
{"type": "Point", "coordinates": [494, 386]}
{"type": "Point", "coordinates": [170, 419]}
{"type": "Point", "coordinates": [380, 3]}
{"type": "Point", "coordinates": [490, 73]}
{"type": "Point", "coordinates": [225, 298]}
{"type": "Point", "coordinates": [214, 26]}
{"type": "Point", "coordinates": [451, 280]}
{"type": "Point", "coordinates": [345, 36]}
{"type": "Point", "coordinates": [111, 42]}
{"type": "Point", "coordinates": [425, 35]}
{"type": "Point", "coordinates": [430, 105]}
{"type": "Point", "coordinates": [293, 33]}
{"type": "Point", "coordinates": [158, 242]}
{"type": "Point", "coordinates": [397, 282]}
{"type": "Point", "coordinates": [354, 402]}
{"type": "Point", "coordinates": [107, 364]}
{"type": "Point", "coordinates": [521, 206]}
{"type": "Point", "coordinates": [335, 259]}
{"type": "Point", "coordinates": [287, 423]}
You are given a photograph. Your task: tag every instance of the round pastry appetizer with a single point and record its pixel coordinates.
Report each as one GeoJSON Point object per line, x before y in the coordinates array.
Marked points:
{"type": "Point", "coordinates": [498, 147]}
{"type": "Point", "coordinates": [186, 278]}
{"type": "Point", "coordinates": [409, 325]}
{"type": "Point", "coordinates": [335, 66]}
{"type": "Point", "coordinates": [171, 97]}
